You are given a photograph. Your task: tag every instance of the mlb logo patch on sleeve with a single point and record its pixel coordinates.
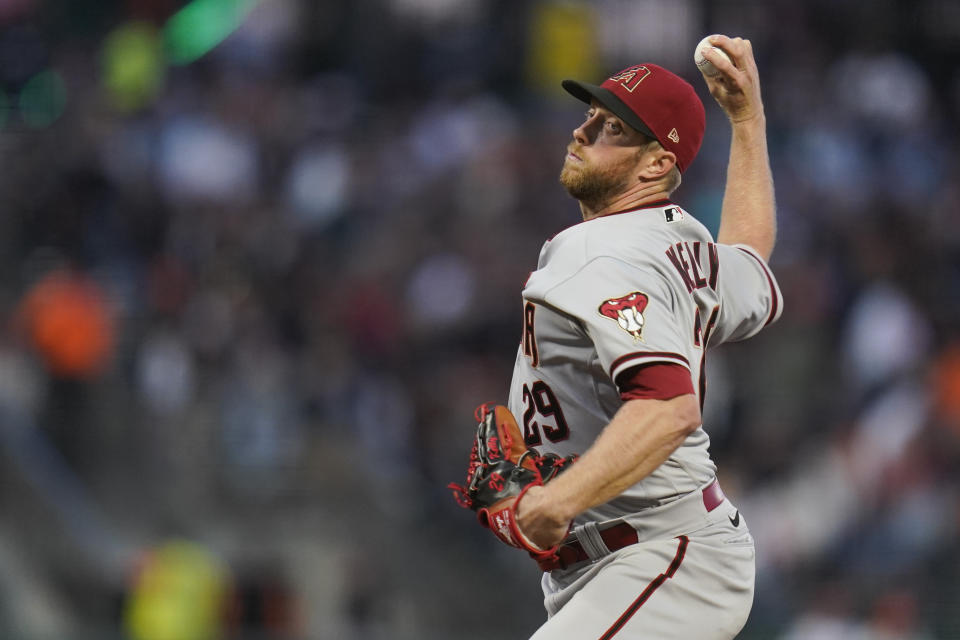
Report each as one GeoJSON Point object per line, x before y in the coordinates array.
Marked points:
{"type": "Point", "coordinates": [673, 214]}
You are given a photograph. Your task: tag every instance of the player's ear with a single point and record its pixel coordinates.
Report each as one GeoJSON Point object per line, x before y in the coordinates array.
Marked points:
{"type": "Point", "coordinates": [656, 163]}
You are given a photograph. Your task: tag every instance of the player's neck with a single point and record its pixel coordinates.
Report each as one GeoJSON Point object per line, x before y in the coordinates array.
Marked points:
{"type": "Point", "coordinates": [634, 198]}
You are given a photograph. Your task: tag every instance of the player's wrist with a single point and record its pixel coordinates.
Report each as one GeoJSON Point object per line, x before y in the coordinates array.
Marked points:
{"type": "Point", "coordinates": [540, 504]}
{"type": "Point", "coordinates": [557, 507]}
{"type": "Point", "coordinates": [754, 122]}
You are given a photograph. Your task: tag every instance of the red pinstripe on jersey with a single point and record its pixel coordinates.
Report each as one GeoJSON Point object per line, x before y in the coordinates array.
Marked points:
{"type": "Point", "coordinates": [711, 323]}
{"type": "Point", "coordinates": [651, 588]}
{"type": "Point", "coordinates": [774, 305]}
{"type": "Point", "coordinates": [650, 355]}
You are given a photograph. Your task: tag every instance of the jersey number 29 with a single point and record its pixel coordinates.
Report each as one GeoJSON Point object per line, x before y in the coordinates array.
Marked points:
{"type": "Point", "coordinates": [541, 402]}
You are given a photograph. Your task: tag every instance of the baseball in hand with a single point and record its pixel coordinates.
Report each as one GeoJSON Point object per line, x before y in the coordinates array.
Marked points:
{"type": "Point", "coordinates": [706, 67]}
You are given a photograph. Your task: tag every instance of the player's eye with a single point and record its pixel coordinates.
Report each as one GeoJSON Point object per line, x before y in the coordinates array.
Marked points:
{"type": "Point", "coordinates": [613, 126]}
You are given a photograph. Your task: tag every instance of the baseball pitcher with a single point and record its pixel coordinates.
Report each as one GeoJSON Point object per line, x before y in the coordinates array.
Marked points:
{"type": "Point", "coordinates": [600, 467]}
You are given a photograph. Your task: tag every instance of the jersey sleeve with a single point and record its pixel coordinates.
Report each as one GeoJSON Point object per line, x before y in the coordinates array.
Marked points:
{"type": "Point", "coordinates": [659, 381]}
{"type": "Point", "coordinates": [750, 297]}
{"type": "Point", "coordinates": [629, 312]}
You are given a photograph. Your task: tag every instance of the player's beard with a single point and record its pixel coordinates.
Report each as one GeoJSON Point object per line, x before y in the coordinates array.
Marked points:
{"type": "Point", "coordinates": [593, 185]}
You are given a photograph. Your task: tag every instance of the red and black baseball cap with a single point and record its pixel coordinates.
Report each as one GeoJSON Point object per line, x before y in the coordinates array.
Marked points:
{"type": "Point", "coordinates": [655, 102]}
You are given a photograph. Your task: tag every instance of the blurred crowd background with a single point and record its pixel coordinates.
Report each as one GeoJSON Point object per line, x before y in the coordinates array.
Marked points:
{"type": "Point", "coordinates": [261, 259]}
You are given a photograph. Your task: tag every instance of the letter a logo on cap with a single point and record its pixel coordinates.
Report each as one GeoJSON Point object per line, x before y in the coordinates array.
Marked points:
{"type": "Point", "coordinates": [673, 135]}
{"type": "Point", "coordinates": [631, 78]}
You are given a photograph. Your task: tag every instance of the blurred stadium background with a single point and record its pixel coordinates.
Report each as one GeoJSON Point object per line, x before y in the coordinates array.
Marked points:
{"type": "Point", "coordinates": [261, 259]}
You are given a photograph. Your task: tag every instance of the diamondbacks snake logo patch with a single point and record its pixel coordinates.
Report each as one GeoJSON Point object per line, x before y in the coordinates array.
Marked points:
{"type": "Point", "coordinates": [627, 311]}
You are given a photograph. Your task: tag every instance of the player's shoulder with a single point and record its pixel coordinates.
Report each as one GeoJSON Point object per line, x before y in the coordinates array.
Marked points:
{"type": "Point", "coordinates": [640, 238]}
{"type": "Point", "coordinates": [641, 234]}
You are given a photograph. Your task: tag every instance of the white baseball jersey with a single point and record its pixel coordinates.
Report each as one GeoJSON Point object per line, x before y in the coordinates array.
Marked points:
{"type": "Point", "coordinates": [618, 291]}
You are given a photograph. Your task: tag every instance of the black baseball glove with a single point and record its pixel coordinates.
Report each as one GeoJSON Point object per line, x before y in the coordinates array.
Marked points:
{"type": "Point", "coordinates": [500, 471]}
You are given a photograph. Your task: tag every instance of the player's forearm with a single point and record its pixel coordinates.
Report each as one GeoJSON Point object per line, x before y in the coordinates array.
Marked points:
{"type": "Point", "coordinates": [749, 209]}
{"type": "Point", "coordinates": [641, 436]}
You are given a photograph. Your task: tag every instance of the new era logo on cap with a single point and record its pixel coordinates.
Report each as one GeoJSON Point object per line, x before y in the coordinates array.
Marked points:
{"type": "Point", "coordinates": [654, 101]}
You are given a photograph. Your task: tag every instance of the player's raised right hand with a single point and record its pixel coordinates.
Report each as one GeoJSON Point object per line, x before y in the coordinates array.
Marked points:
{"type": "Point", "coordinates": [737, 87]}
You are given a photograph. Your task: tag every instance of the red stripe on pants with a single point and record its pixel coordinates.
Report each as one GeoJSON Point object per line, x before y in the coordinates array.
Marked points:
{"type": "Point", "coordinates": [653, 586]}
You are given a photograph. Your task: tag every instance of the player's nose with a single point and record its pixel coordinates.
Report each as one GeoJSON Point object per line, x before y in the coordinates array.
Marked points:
{"type": "Point", "coordinates": [580, 133]}
{"type": "Point", "coordinates": [584, 132]}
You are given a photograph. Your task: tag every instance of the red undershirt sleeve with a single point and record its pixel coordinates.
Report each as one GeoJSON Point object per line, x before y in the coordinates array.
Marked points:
{"type": "Point", "coordinates": [657, 380]}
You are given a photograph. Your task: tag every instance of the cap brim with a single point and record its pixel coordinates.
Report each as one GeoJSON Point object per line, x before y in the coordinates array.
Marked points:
{"type": "Point", "coordinates": [584, 92]}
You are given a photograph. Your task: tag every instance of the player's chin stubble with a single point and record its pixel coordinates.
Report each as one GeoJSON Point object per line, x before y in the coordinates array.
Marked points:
{"type": "Point", "coordinates": [590, 186]}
